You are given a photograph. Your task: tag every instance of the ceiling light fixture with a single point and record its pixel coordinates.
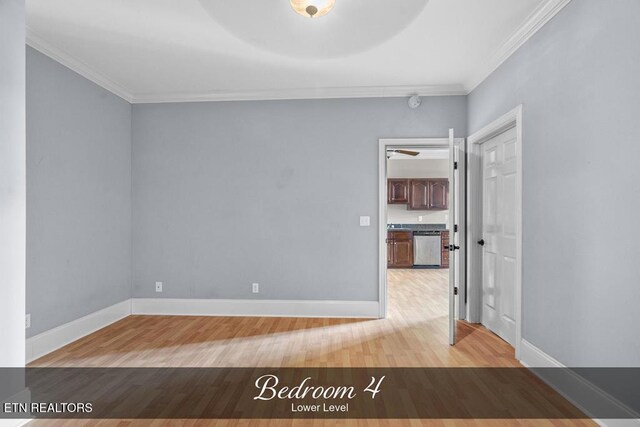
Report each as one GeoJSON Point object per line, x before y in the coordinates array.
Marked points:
{"type": "Point", "coordinates": [312, 8]}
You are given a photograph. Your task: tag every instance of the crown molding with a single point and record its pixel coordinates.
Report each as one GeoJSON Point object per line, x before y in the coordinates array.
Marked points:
{"type": "Point", "coordinates": [536, 20]}
{"type": "Point", "coordinates": [38, 43]}
{"type": "Point", "coordinates": [303, 93]}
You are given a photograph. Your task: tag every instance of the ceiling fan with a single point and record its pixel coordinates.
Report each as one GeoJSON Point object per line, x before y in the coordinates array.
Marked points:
{"type": "Point", "coordinates": [405, 152]}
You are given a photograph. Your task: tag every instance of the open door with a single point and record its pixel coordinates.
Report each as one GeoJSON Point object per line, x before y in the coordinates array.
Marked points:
{"type": "Point", "coordinates": [452, 240]}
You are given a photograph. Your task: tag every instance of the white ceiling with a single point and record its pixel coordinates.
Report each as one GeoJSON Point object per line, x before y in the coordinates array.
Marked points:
{"type": "Point", "coordinates": [169, 50]}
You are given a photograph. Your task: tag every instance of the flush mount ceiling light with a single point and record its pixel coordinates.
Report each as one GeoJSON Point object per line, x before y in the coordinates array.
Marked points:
{"type": "Point", "coordinates": [312, 8]}
{"type": "Point", "coordinates": [351, 27]}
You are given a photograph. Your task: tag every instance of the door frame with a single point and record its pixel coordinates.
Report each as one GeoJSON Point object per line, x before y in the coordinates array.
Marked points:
{"type": "Point", "coordinates": [507, 121]}
{"type": "Point", "coordinates": [383, 145]}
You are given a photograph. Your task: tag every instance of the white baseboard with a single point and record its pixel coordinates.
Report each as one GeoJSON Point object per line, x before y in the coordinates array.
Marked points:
{"type": "Point", "coordinates": [48, 341]}
{"type": "Point", "coordinates": [262, 308]}
{"type": "Point", "coordinates": [8, 422]}
{"type": "Point", "coordinates": [532, 357]}
{"type": "Point", "coordinates": [576, 389]}
{"type": "Point", "coordinates": [53, 339]}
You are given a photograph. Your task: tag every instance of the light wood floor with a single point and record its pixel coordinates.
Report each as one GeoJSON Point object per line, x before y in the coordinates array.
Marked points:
{"type": "Point", "coordinates": [413, 335]}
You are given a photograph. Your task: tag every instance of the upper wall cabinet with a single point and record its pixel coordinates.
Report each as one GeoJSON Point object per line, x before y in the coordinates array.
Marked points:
{"type": "Point", "coordinates": [428, 194]}
{"type": "Point", "coordinates": [439, 194]}
{"type": "Point", "coordinates": [419, 194]}
{"type": "Point", "coordinates": [397, 191]}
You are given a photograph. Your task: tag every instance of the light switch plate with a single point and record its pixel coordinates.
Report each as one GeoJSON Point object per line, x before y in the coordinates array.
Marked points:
{"type": "Point", "coordinates": [365, 221]}
{"type": "Point", "coordinates": [27, 321]}
{"type": "Point", "coordinates": [158, 286]}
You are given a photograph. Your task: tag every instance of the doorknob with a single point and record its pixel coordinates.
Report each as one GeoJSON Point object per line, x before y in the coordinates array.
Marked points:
{"type": "Point", "coordinates": [481, 242]}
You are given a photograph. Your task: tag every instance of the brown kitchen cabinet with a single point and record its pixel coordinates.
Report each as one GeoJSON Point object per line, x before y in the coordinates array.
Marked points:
{"type": "Point", "coordinates": [444, 239]}
{"type": "Point", "coordinates": [439, 194]}
{"type": "Point", "coordinates": [428, 194]}
{"type": "Point", "coordinates": [397, 191]}
{"type": "Point", "coordinates": [418, 194]}
{"type": "Point", "coordinates": [399, 249]}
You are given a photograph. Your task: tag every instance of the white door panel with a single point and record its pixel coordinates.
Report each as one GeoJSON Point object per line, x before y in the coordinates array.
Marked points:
{"type": "Point", "coordinates": [509, 190]}
{"type": "Point", "coordinates": [499, 192]}
{"type": "Point", "coordinates": [510, 150]}
{"type": "Point", "coordinates": [490, 280]}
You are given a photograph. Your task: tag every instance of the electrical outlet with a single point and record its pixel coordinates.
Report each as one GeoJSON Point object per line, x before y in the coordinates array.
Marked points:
{"type": "Point", "coordinates": [419, 218]}
{"type": "Point", "coordinates": [365, 221]}
{"type": "Point", "coordinates": [27, 321]}
{"type": "Point", "coordinates": [256, 288]}
{"type": "Point", "coordinates": [158, 286]}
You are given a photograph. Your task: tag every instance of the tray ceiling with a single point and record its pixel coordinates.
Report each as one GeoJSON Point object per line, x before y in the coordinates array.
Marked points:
{"type": "Point", "coordinates": [194, 50]}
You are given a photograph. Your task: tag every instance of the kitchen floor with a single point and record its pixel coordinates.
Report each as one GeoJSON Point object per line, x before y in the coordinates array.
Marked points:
{"type": "Point", "coordinates": [429, 286]}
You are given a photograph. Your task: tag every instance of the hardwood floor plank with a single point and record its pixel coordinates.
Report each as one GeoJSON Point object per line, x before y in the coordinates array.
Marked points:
{"type": "Point", "coordinates": [414, 335]}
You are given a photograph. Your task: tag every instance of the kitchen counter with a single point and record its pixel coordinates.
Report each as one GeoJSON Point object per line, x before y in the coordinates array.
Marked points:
{"type": "Point", "coordinates": [417, 227]}
{"type": "Point", "coordinates": [417, 246]}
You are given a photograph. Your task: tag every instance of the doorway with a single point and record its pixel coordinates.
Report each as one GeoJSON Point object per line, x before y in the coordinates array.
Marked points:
{"type": "Point", "coordinates": [420, 199]}
{"type": "Point", "coordinates": [495, 227]}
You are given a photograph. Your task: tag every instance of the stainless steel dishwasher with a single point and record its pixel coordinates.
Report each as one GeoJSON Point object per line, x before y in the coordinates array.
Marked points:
{"type": "Point", "coordinates": [426, 248]}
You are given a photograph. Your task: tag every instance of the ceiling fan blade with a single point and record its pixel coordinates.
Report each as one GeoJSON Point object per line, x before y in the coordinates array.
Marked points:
{"type": "Point", "coordinates": [407, 152]}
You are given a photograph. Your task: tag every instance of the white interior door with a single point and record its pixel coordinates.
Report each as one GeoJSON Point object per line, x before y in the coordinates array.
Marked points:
{"type": "Point", "coordinates": [452, 240]}
{"type": "Point", "coordinates": [458, 235]}
{"type": "Point", "coordinates": [499, 228]}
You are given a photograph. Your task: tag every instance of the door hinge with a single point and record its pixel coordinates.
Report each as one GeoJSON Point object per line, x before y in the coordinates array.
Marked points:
{"type": "Point", "coordinates": [455, 165]}
{"type": "Point", "coordinates": [455, 290]}
{"type": "Point", "coordinates": [453, 248]}
{"type": "Point", "coordinates": [455, 228]}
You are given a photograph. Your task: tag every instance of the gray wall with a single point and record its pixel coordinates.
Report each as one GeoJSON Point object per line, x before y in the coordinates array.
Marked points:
{"type": "Point", "coordinates": [12, 182]}
{"type": "Point", "coordinates": [230, 193]}
{"type": "Point", "coordinates": [78, 195]}
{"type": "Point", "coordinates": [577, 79]}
